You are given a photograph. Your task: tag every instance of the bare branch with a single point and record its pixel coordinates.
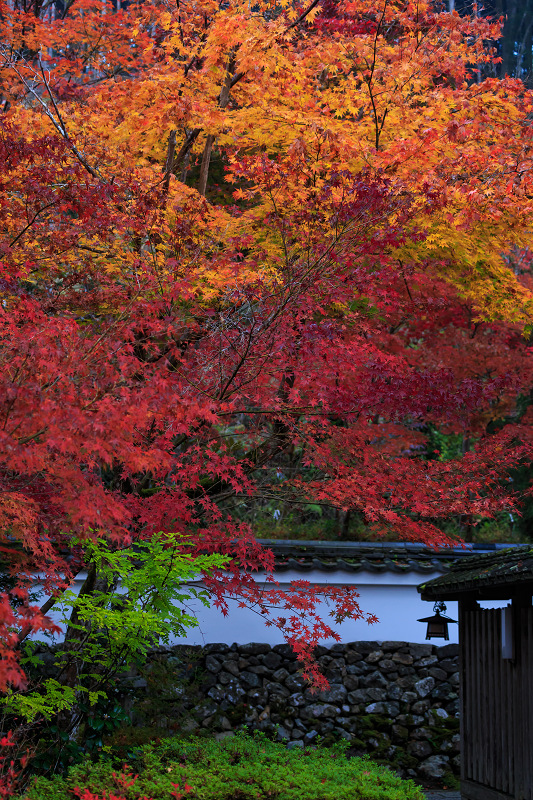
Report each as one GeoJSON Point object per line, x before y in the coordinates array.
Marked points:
{"type": "Point", "coordinates": [56, 119]}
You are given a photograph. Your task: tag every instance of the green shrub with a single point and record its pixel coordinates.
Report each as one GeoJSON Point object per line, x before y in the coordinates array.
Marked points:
{"type": "Point", "coordinates": [239, 768]}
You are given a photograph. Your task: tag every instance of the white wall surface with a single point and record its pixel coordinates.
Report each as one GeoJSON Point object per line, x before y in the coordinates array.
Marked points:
{"type": "Point", "coordinates": [392, 597]}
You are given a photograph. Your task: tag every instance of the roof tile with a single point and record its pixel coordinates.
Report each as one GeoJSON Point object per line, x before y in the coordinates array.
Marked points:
{"type": "Point", "coordinates": [378, 557]}
{"type": "Point", "coordinates": [511, 567]}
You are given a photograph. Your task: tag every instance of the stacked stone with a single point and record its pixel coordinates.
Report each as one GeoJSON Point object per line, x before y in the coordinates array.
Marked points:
{"type": "Point", "coordinates": [409, 690]}
{"type": "Point", "coordinates": [397, 702]}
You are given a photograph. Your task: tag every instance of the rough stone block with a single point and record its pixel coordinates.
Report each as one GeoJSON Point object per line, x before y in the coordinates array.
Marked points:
{"type": "Point", "coordinates": [448, 651]}
{"type": "Point", "coordinates": [253, 648]}
{"type": "Point", "coordinates": [336, 693]}
{"type": "Point", "coordinates": [425, 686]}
{"type": "Point", "coordinates": [438, 674]}
{"type": "Point", "coordinates": [376, 694]}
{"type": "Point", "coordinates": [420, 749]}
{"type": "Point", "coordinates": [212, 664]}
{"type": "Point", "coordinates": [435, 767]}
{"type": "Point", "coordinates": [216, 647]}
{"type": "Point", "coordinates": [232, 667]}
{"type": "Point", "coordinates": [394, 692]}
{"type": "Point", "coordinates": [353, 656]}
{"type": "Point", "coordinates": [374, 657]}
{"type": "Point", "coordinates": [285, 651]}
{"type": "Point", "coordinates": [295, 744]}
{"type": "Point", "coordinates": [426, 661]}
{"type": "Point", "coordinates": [250, 679]}
{"type": "Point", "coordinates": [295, 682]}
{"type": "Point", "coordinates": [420, 650]}
{"type": "Point", "coordinates": [403, 658]}
{"type": "Point", "coordinates": [271, 660]}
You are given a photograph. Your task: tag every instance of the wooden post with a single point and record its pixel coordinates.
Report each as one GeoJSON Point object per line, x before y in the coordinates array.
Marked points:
{"type": "Point", "coordinates": [465, 605]}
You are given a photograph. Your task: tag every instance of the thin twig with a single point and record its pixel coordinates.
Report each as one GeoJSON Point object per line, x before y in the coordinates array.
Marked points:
{"type": "Point", "coordinates": [58, 123]}
{"type": "Point", "coordinates": [30, 223]}
{"type": "Point", "coordinates": [304, 15]}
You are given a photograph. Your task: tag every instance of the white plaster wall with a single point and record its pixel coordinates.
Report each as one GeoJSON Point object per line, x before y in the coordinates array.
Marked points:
{"type": "Point", "coordinates": [392, 597]}
{"type": "Point", "coordinates": [396, 604]}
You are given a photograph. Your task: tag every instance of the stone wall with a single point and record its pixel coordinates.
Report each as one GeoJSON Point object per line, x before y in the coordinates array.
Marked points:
{"type": "Point", "coordinates": [395, 701]}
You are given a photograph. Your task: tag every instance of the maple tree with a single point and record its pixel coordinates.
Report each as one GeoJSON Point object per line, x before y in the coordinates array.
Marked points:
{"type": "Point", "coordinates": [351, 278]}
{"type": "Point", "coordinates": [515, 45]}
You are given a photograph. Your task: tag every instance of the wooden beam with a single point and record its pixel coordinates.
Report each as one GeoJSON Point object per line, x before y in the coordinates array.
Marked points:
{"type": "Point", "coordinates": [521, 598]}
{"type": "Point", "coordinates": [475, 791]}
{"type": "Point", "coordinates": [468, 603]}
{"type": "Point", "coordinates": [502, 592]}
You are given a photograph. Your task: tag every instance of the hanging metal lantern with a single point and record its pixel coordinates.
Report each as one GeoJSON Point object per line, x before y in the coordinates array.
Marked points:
{"type": "Point", "coordinates": [438, 624]}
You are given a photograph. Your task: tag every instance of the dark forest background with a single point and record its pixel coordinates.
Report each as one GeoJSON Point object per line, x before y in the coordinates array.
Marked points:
{"type": "Point", "coordinates": [516, 46]}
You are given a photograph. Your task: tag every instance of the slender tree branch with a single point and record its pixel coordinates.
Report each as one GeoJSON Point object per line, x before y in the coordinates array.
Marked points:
{"type": "Point", "coordinates": [186, 147]}
{"type": "Point", "coordinates": [304, 15]}
{"type": "Point", "coordinates": [30, 223]}
{"type": "Point", "coordinates": [169, 162]}
{"type": "Point", "coordinates": [44, 609]}
{"type": "Point", "coordinates": [57, 122]}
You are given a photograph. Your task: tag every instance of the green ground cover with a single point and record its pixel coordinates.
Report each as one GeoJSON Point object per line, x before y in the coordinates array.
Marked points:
{"type": "Point", "coordinates": [240, 768]}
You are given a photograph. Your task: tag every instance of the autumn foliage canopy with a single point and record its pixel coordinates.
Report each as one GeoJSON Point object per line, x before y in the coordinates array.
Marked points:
{"type": "Point", "coordinates": [235, 231]}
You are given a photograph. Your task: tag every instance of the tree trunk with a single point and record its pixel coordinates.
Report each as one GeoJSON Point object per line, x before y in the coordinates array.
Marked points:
{"type": "Point", "coordinates": [223, 101]}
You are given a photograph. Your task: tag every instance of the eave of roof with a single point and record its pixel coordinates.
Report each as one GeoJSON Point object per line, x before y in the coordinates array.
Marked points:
{"type": "Point", "coordinates": [485, 576]}
{"type": "Point", "coordinates": [378, 557]}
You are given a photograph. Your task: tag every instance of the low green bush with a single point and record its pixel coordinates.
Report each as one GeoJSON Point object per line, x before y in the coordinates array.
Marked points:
{"type": "Point", "coordinates": [240, 768]}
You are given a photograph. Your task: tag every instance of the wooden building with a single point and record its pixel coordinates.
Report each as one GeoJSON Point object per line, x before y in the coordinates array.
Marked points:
{"type": "Point", "coordinates": [496, 652]}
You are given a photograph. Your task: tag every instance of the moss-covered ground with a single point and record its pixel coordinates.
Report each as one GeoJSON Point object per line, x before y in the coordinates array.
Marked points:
{"type": "Point", "coordinates": [240, 768]}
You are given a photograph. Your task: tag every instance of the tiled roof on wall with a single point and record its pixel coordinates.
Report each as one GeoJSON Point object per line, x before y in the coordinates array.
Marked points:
{"type": "Point", "coordinates": [485, 574]}
{"type": "Point", "coordinates": [398, 557]}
